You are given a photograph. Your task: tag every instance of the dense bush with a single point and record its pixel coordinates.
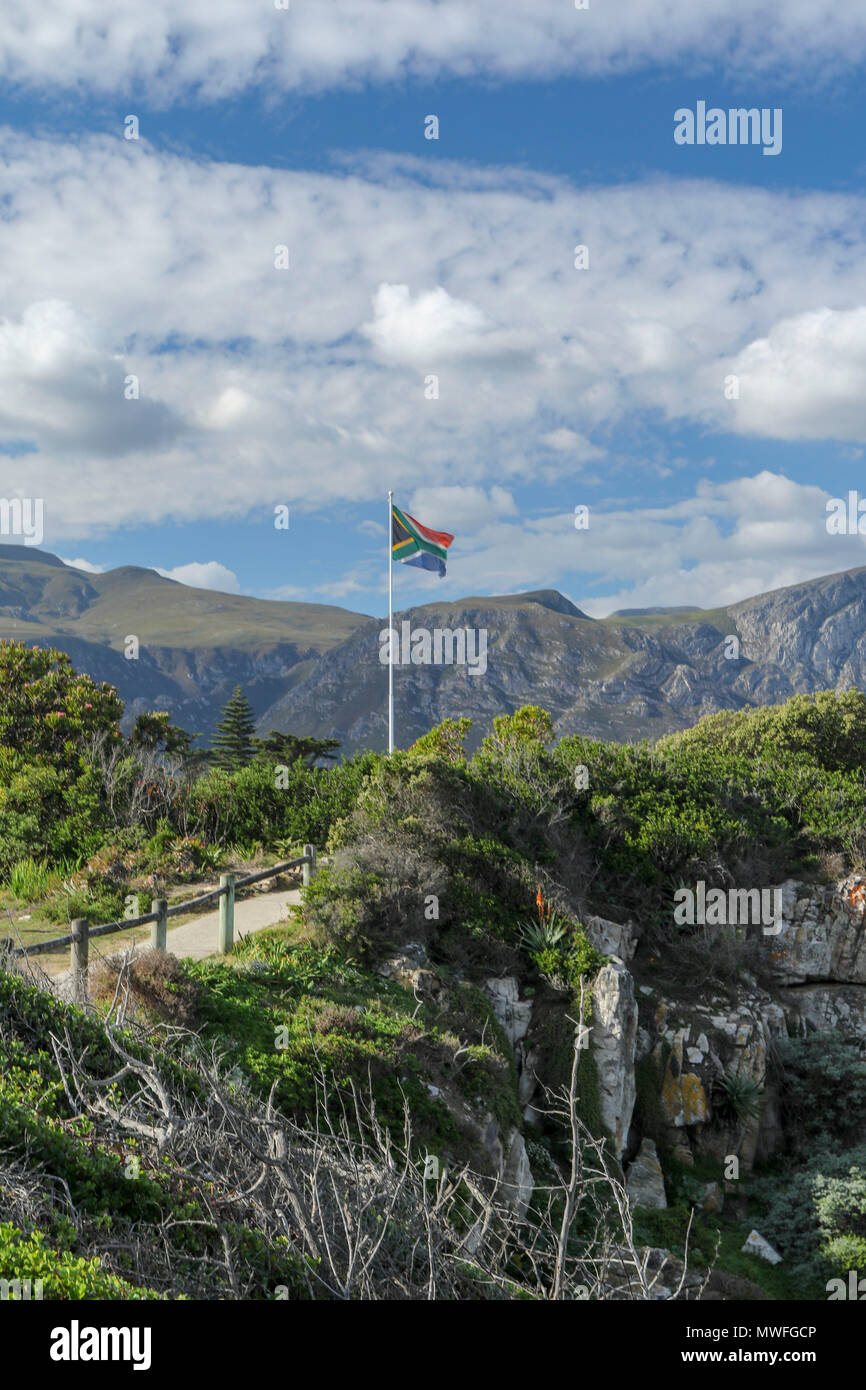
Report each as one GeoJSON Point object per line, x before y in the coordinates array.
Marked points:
{"type": "Point", "coordinates": [816, 1216]}
{"type": "Point", "coordinates": [299, 804]}
{"type": "Point", "coordinates": [743, 800]}
{"type": "Point", "coordinates": [823, 1086]}
{"type": "Point", "coordinates": [61, 1274]}
{"type": "Point", "coordinates": [159, 1228]}
{"type": "Point", "coordinates": [301, 1010]}
{"type": "Point", "coordinates": [71, 786]}
{"type": "Point", "coordinates": [826, 730]}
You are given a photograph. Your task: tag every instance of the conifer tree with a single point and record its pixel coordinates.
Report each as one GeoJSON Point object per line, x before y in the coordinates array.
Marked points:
{"type": "Point", "coordinates": [232, 745]}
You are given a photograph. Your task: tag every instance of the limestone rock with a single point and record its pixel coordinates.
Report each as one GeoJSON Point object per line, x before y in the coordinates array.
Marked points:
{"type": "Point", "coordinates": [681, 1153]}
{"type": "Point", "coordinates": [614, 1034]}
{"type": "Point", "coordinates": [702, 1042]}
{"type": "Point", "coordinates": [827, 1008]}
{"type": "Point", "coordinates": [757, 1245]}
{"type": "Point", "coordinates": [528, 1060]}
{"type": "Point", "coordinates": [683, 1095]}
{"type": "Point", "coordinates": [823, 933]}
{"type": "Point", "coordinates": [517, 1179]}
{"type": "Point", "coordinates": [407, 969]}
{"type": "Point", "coordinates": [507, 1154]}
{"type": "Point", "coordinates": [645, 1183]}
{"type": "Point", "coordinates": [611, 938]}
{"type": "Point", "coordinates": [713, 1199]}
{"type": "Point", "coordinates": [512, 1013]}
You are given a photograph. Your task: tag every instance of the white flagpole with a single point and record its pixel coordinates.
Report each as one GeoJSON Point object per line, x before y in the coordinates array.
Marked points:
{"type": "Point", "coordinates": [390, 633]}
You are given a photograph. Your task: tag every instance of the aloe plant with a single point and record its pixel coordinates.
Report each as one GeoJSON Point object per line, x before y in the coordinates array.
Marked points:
{"type": "Point", "coordinates": [741, 1097]}
{"type": "Point", "coordinates": [541, 935]}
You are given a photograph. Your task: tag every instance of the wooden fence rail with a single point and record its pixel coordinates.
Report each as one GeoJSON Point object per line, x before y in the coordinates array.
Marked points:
{"type": "Point", "coordinates": [82, 933]}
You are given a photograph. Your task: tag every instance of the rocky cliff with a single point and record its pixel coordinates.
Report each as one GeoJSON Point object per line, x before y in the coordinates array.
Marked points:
{"type": "Point", "coordinates": [626, 677]}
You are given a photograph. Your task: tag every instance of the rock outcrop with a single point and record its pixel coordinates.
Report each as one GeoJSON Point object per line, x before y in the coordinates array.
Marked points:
{"type": "Point", "coordinates": [613, 1038]}
{"type": "Point", "coordinates": [716, 1095]}
{"type": "Point", "coordinates": [823, 933]}
{"type": "Point", "coordinates": [645, 1182]}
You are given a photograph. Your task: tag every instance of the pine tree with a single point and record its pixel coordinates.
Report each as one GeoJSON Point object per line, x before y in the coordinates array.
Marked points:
{"type": "Point", "coordinates": [232, 744]}
{"type": "Point", "coordinates": [287, 748]}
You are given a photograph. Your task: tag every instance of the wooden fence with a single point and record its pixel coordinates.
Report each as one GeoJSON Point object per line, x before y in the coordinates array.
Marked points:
{"type": "Point", "coordinates": [83, 933]}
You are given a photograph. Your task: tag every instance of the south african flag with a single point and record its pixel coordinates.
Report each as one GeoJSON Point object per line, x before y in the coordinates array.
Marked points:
{"type": "Point", "coordinates": [416, 544]}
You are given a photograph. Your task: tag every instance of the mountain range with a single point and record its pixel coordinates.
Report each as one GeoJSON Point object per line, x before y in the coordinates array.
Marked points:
{"type": "Point", "coordinates": [315, 669]}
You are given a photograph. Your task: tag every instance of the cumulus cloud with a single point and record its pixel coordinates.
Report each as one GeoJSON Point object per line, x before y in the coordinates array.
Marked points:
{"type": "Point", "coordinates": [567, 441]}
{"type": "Point", "coordinates": [62, 390]}
{"type": "Point", "coordinates": [209, 574]}
{"type": "Point", "coordinates": [806, 378]}
{"type": "Point", "coordinates": [722, 543]}
{"type": "Point", "coordinates": [211, 49]}
{"type": "Point", "coordinates": [122, 261]}
{"type": "Point", "coordinates": [434, 327]}
{"type": "Point", "coordinates": [454, 507]}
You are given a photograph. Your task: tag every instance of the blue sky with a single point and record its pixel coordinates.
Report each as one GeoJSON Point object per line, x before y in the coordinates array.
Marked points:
{"type": "Point", "coordinates": [452, 258]}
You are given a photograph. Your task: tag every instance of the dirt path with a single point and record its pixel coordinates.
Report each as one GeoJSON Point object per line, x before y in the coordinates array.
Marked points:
{"type": "Point", "coordinates": [199, 939]}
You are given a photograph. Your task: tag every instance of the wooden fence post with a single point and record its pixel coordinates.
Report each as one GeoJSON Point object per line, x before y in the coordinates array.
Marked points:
{"type": "Point", "coordinates": [159, 928]}
{"type": "Point", "coordinates": [227, 914]}
{"type": "Point", "coordinates": [78, 959]}
{"type": "Point", "coordinates": [309, 870]}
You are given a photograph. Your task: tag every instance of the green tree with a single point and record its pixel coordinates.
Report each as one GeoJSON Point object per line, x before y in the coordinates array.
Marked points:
{"type": "Point", "coordinates": [527, 728]}
{"type": "Point", "coordinates": [233, 745]}
{"type": "Point", "coordinates": [49, 711]}
{"type": "Point", "coordinates": [446, 740]}
{"type": "Point", "coordinates": [290, 748]}
{"type": "Point", "coordinates": [155, 731]}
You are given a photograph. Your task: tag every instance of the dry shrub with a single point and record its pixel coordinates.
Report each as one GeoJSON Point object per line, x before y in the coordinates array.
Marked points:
{"type": "Point", "coordinates": [832, 865]}
{"type": "Point", "coordinates": [338, 1018]}
{"type": "Point", "coordinates": [153, 985]}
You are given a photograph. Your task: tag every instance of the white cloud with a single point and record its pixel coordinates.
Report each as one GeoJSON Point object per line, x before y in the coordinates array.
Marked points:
{"type": "Point", "coordinates": [207, 575]}
{"type": "Point", "coordinates": [460, 508]}
{"type": "Point", "coordinates": [806, 378]}
{"type": "Point", "coordinates": [83, 565]}
{"type": "Point", "coordinates": [212, 49]}
{"type": "Point", "coordinates": [291, 593]}
{"type": "Point", "coordinates": [60, 384]}
{"type": "Point", "coordinates": [566, 441]}
{"type": "Point", "coordinates": [111, 252]}
{"type": "Point", "coordinates": [434, 328]}
{"type": "Point", "coordinates": [723, 543]}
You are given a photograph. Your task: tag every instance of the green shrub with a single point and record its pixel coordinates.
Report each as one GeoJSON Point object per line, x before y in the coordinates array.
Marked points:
{"type": "Point", "coordinates": [29, 879]}
{"type": "Point", "coordinates": [816, 1216]}
{"type": "Point", "coordinates": [99, 904]}
{"type": "Point", "coordinates": [62, 1274]}
{"type": "Point", "coordinates": [823, 1090]}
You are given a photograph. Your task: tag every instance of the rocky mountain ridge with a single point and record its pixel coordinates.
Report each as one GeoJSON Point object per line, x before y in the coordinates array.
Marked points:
{"type": "Point", "coordinates": [616, 678]}
{"type": "Point", "coordinates": [313, 669]}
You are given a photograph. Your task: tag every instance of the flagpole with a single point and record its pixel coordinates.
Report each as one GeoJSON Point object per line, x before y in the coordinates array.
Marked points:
{"type": "Point", "coordinates": [390, 632]}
